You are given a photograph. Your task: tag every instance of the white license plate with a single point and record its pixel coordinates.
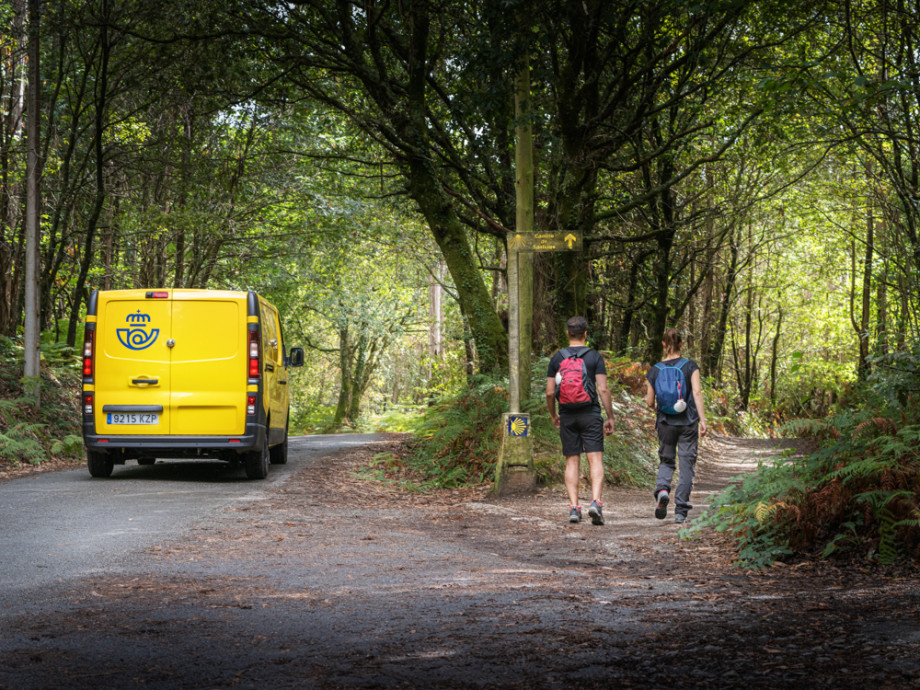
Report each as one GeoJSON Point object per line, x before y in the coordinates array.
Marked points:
{"type": "Point", "coordinates": [133, 418]}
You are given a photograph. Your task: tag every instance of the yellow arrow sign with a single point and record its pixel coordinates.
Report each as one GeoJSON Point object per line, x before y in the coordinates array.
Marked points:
{"type": "Point", "coordinates": [545, 242]}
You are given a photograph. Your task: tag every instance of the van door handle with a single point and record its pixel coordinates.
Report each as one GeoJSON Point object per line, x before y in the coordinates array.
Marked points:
{"type": "Point", "coordinates": [283, 383]}
{"type": "Point", "coordinates": [145, 382]}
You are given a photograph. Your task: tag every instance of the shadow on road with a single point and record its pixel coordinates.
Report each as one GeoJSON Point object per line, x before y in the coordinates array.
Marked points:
{"type": "Point", "coordinates": [181, 471]}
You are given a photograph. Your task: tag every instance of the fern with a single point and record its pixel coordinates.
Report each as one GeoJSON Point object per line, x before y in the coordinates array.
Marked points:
{"type": "Point", "coordinates": [20, 444]}
{"type": "Point", "coordinates": [858, 489]}
{"type": "Point", "coordinates": [848, 535]}
{"type": "Point", "coordinates": [71, 444]}
{"type": "Point", "coordinates": [805, 428]}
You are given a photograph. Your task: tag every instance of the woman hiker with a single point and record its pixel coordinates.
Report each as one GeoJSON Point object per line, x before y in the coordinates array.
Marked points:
{"type": "Point", "coordinates": [680, 422]}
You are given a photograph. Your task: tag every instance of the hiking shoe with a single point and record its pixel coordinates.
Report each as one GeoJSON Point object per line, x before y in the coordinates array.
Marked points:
{"type": "Point", "coordinates": [661, 510]}
{"type": "Point", "coordinates": [574, 513]}
{"type": "Point", "coordinates": [596, 512]}
{"type": "Point", "coordinates": [680, 518]}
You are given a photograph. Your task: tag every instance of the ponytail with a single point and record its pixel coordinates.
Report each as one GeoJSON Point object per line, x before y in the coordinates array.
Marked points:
{"type": "Point", "coordinates": [672, 340]}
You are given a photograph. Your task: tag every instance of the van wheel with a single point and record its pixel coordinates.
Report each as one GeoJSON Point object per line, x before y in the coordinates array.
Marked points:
{"type": "Point", "coordinates": [99, 464]}
{"type": "Point", "coordinates": [257, 462]}
{"type": "Point", "coordinates": [278, 454]}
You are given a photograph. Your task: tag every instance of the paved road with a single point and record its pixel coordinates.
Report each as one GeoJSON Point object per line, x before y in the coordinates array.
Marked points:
{"type": "Point", "coordinates": [60, 526]}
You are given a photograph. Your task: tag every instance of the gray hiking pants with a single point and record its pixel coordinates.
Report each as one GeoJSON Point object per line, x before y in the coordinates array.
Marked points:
{"type": "Point", "coordinates": [679, 441]}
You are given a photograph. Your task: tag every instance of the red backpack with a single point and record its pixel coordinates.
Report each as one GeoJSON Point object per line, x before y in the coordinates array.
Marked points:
{"type": "Point", "coordinates": [574, 388]}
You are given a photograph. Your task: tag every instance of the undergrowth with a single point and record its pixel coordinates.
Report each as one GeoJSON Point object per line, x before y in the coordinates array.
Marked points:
{"type": "Point", "coordinates": [458, 439]}
{"type": "Point", "coordinates": [31, 434]}
{"type": "Point", "coordinates": [455, 443]}
{"type": "Point", "coordinates": [857, 496]}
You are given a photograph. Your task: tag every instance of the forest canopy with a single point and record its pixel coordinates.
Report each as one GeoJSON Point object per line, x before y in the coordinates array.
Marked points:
{"type": "Point", "coordinates": [746, 172]}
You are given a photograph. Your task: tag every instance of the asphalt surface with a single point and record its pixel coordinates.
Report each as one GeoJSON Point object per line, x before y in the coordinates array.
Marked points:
{"type": "Point", "coordinates": [63, 526]}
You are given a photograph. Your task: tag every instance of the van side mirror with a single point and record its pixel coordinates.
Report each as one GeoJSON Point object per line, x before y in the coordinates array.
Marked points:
{"type": "Point", "coordinates": [296, 357]}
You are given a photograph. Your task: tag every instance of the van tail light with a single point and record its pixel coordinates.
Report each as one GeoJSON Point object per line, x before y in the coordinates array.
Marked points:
{"type": "Point", "coordinates": [250, 404]}
{"type": "Point", "coordinates": [254, 358]}
{"type": "Point", "coordinates": [89, 343]}
{"type": "Point", "coordinates": [87, 403]}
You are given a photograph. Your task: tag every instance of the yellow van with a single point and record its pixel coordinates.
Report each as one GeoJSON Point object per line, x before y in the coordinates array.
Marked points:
{"type": "Point", "coordinates": [185, 374]}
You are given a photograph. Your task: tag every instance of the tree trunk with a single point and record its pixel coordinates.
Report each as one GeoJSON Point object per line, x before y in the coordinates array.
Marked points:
{"type": "Point", "coordinates": [345, 389]}
{"type": "Point", "coordinates": [630, 307]}
{"type": "Point", "coordinates": [435, 315]}
{"type": "Point", "coordinates": [101, 98]}
{"type": "Point", "coordinates": [881, 300]}
{"type": "Point", "coordinates": [774, 354]}
{"type": "Point", "coordinates": [862, 325]}
{"type": "Point", "coordinates": [447, 230]}
{"type": "Point", "coordinates": [904, 284]}
{"type": "Point", "coordinates": [690, 340]}
{"type": "Point", "coordinates": [179, 275]}
{"type": "Point", "coordinates": [360, 375]}
{"type": "Point", "coordinates": [712, 361]}
{"type": "Point", "coordinates": [866, 297]}
{"type": "Point", "coordinates": [706, 319]}
{"type": "Point", "coordinates": [32, 335]}
{"type": "Point", "coordinates": [665, 242]}
{"type": "Point", "coordinates": [663, 219]}
{"type": "Point", "coordinates": [10, 184]}
{"type": "Point", "coordinates": [746, 382]}
{"type": "Point", "coordinates": [571, 291]}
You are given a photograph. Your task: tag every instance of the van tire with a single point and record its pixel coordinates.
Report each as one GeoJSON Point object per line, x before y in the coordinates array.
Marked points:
{"type": "Point", "coordinates": [278, 454]}
{"type": "Point", "coordinates": [257, 462]}
{"type": "Point", "coordinates": [100, 464]}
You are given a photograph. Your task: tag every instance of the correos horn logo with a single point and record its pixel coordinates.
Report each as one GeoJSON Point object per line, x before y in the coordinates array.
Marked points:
{"type": "Point", "coordinates": [136, 336]}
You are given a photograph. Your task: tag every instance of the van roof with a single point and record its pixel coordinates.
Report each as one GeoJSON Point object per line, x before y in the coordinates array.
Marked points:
{"type": "Point", "coordinates": [144, 294]}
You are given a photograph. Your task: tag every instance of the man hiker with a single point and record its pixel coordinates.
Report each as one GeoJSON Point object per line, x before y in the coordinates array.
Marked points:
{"type": "Point", "coordinates": [577, 379]}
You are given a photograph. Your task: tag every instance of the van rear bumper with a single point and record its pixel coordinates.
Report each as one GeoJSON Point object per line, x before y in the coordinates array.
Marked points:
{"type": "Point", "coordinates": [181, 446]}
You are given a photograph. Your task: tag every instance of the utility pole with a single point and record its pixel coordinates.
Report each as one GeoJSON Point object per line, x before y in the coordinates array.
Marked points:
{"type": "Point", "coordinates": [32, 369]}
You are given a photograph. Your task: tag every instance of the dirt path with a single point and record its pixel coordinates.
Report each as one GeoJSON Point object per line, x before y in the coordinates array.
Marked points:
{"type": "Point", "coordinates": [336, 581]}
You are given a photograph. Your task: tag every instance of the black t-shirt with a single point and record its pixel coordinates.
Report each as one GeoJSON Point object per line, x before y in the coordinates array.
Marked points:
{"type": "Point", "coordinates": [594, 365]}
{"type": "Point", "coordinates": [690, 415]}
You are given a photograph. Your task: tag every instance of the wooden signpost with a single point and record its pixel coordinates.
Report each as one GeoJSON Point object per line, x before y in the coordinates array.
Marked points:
{"type": "Point", "coordinates": [514, 471]}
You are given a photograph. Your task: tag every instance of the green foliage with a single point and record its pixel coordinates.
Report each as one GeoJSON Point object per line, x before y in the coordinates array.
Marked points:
{"type": "Point", "coordinates": [894, 378]}
{"type": "Point", "coordinates": [856, 496]}
{"type": "Point", "coordinates": [395, 419]}
{"type": "Point", "coordinates": [70, 445]}
{"type": "Point", "coordinates": [310, 419]}
{"type": "Point", "coordinates": [21, 444]}
{"type": "Point", "coordinates": [630, 457]}
{"type": "Point", "coordinates": [458, 440]}
{"type": "Point", "coordinates": [722, 411]}
{"type": "Point", "coordinates": [30, 434]}
{"type": "Point", "coordinates": [750, 510]}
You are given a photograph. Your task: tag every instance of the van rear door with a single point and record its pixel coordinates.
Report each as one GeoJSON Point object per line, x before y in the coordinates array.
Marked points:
{"type": "Point", "coordinates": [208, 363]}
{"type": "Point", "coordinates": [132, 380]}
{"type": "Point", "coordinates": [171, 362]}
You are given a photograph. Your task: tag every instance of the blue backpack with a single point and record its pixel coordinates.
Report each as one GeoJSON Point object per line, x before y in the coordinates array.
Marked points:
{"type": "Point", "coordinates": [671, 387]}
